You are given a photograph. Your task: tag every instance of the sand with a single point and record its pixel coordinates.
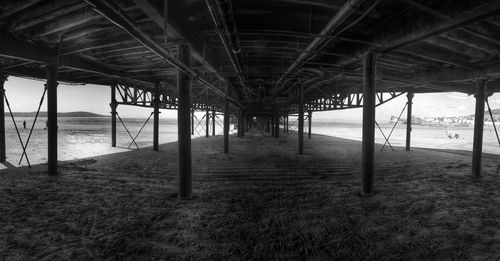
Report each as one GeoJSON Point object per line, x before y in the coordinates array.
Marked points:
{"type": "Point", "coordinates": [260, 202]}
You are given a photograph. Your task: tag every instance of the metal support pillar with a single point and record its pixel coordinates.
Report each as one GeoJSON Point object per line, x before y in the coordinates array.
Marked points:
{"type": "Point", "coordinates": [277, 126]}
{"type": "Point", "coordinates": [286, 126]}
{"type": "Point", "coordinates": [52, 118]}
{"type": "Point", "coordinates": [3, 154]}
{"type": "Point", "coordinates": [156, 119]}
{"type": "Point", "coordinates": [207, 121]}
{"type": "Point", "coordinates": [241, 123]}
{"type": "Point", "coordinates": [184, 137]}
{"type": "Point", "coordinates": [300, 129]}
{"type": "Point", "coordinates": [410, 96]}
{"type": "Point", "coordinates": [368, 143]}
{"type": "Point", "coordinates": [213, 122]}
{"type": "Point", "coordinates": [192, 122]}
{"type": "Point", "coordinates": [271, 126]}
{"type": "Point", "coordinates": [309, 120]}
{"type": "Point", "coordinates": [113, 105]}
{"type": "Point", "coordinates": [226, 121]}
{"type": "Point", "coordinates": [477, 146]}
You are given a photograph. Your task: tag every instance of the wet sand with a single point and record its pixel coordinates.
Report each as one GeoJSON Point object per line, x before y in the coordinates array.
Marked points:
{"type": "Point", "coordinates": [261, 201]}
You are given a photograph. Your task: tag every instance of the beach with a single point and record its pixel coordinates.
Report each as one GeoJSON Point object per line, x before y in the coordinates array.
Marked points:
{"type": "Point", "coordinates": [261, 201]}
{"type": "Point", "coordinates": [87, 137]}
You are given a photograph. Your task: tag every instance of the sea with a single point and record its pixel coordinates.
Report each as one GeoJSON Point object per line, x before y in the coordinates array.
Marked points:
{"type": "Point", "coordinates": [91, 136]}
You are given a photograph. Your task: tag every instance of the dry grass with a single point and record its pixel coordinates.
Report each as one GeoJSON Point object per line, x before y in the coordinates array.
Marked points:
{"type": "Point", "coordinates": [261, 202]}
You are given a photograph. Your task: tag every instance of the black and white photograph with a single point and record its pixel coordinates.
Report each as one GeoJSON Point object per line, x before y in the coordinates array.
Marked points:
{"type": "Point", "coordinates": [249, 130]}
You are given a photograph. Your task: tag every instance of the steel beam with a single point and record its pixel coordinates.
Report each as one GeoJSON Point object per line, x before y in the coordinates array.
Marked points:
{"type": "Point", "coordinates": [466, 18]}
{"type": "Point", "coordinates": [3, 154]}
{"type": "Point", "coordinates": [309, 119]}
{"type": "Point", "coordinates": [276, 125]}
{"type": "Point", "coordinates": [226, 121]}
{"type": "Point", "coordinates": [184, 136]}
{"type": "Point", "coordinates": [410, 96]}
{"type": "Point", "coordinates": [477, 146]}
{"type": "Point", "coordinates": [213, 122]}
{"type": "Point", "coordinates": [272, 123]}
{"type": "Point", "coordinates": [368, 142]}
{"type": "Point", "coordinates": [192, 122]}
{"type": "Point", "coordinates": [175, 31]}
{"type": "Point", "coordinates": [156, 115]}
{"type": "Point", "coordinates": [29, 52]}
{"type": "Point", "coordinates": [114, 14]}
{"type": "Point", "coordinates": [315, 46]}
{"type": "Point", "coordinates": [207, 125]}
{"type": "Point", "coordinates": [113, 106]}
{"type": "Point", "coordinates": [222, 16]}
{"type": "Point", "coordinates": [300, 130]}
{"type": "Point", "coordinates": [52, 118]}
{"type": "Point", "coordinates": [241, 124]}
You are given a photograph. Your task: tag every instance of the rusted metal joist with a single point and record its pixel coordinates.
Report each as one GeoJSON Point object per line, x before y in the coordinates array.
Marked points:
{"type": "Point", "coordinates": [114, 14]}
{"type": "Point", "coordinates": [224, 21]}
{"type": "Point", "coordinates": [482, 12]}
{"type": "Point", "coordinates": [345, 11]}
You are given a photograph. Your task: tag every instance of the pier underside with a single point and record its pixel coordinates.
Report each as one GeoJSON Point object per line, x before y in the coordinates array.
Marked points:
{"type": "Point", "coordinates": [254, 59]}
{"type": "Point", "coordinates": [262, 200]}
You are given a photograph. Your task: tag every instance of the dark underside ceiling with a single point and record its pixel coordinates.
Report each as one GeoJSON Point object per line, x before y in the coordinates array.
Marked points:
{"type": "Point", "coordinates": [265, 50]}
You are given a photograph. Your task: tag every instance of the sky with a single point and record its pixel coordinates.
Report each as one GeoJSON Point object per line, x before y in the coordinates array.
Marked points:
{"type": "Point", "coordinates": [24, 96]}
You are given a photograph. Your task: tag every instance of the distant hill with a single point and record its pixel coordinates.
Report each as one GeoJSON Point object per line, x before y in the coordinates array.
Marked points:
{"type": "Point", "coordinates": [60, 114]}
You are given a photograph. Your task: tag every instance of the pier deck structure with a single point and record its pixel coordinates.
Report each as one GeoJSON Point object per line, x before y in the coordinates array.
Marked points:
{"type": "Point", "coordinates": [257, 60]}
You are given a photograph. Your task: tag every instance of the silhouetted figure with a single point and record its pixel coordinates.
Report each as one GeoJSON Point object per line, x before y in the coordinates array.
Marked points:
{"type": "Point", "coordinates": [24, 124]}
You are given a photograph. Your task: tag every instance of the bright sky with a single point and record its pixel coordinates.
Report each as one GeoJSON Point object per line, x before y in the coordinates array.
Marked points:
{"type": "Point", "coordinates": [24, 96]}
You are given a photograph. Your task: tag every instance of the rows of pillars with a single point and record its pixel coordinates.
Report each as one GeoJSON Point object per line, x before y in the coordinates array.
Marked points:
{"type": "Point", "coordinates": [3, 155]}
{"type": "Point", "coordinates": [368, 139]}
{"type": "Point", "coordinates": [184, 113]}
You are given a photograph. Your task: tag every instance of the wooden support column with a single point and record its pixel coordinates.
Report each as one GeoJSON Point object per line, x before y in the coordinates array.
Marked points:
{"type": "Point", "coordinates": [368, 143]}
{"type": "Point", "coordinates": [3, 155]}
{"type": "Point", "coordinates": [156, 119]}
{"type": "Point", "coordinates": [184, 137]}
{"type": "Point", "coordinates": [309, 120]}
{"type": "Point", "coordinates": [226, 121]}
{"type": "Point", "coordinates": [300, 130]}
{"type": "Point", "coordinates": [477, 146]}
{"type": "Point", "coordinates": [52, 118]}
{"type": "Point", "coordinates": [207, 121]}
{"type": "Point", "coordinates": [410, 96]}
{"type": "Point", "coordinates": [213, 122]}
{"type": "Point", "coordinates": [113, 105]}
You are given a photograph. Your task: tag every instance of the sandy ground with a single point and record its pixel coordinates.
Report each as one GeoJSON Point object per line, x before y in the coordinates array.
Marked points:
{"type": "Point", "coordinates": [260, 202]}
